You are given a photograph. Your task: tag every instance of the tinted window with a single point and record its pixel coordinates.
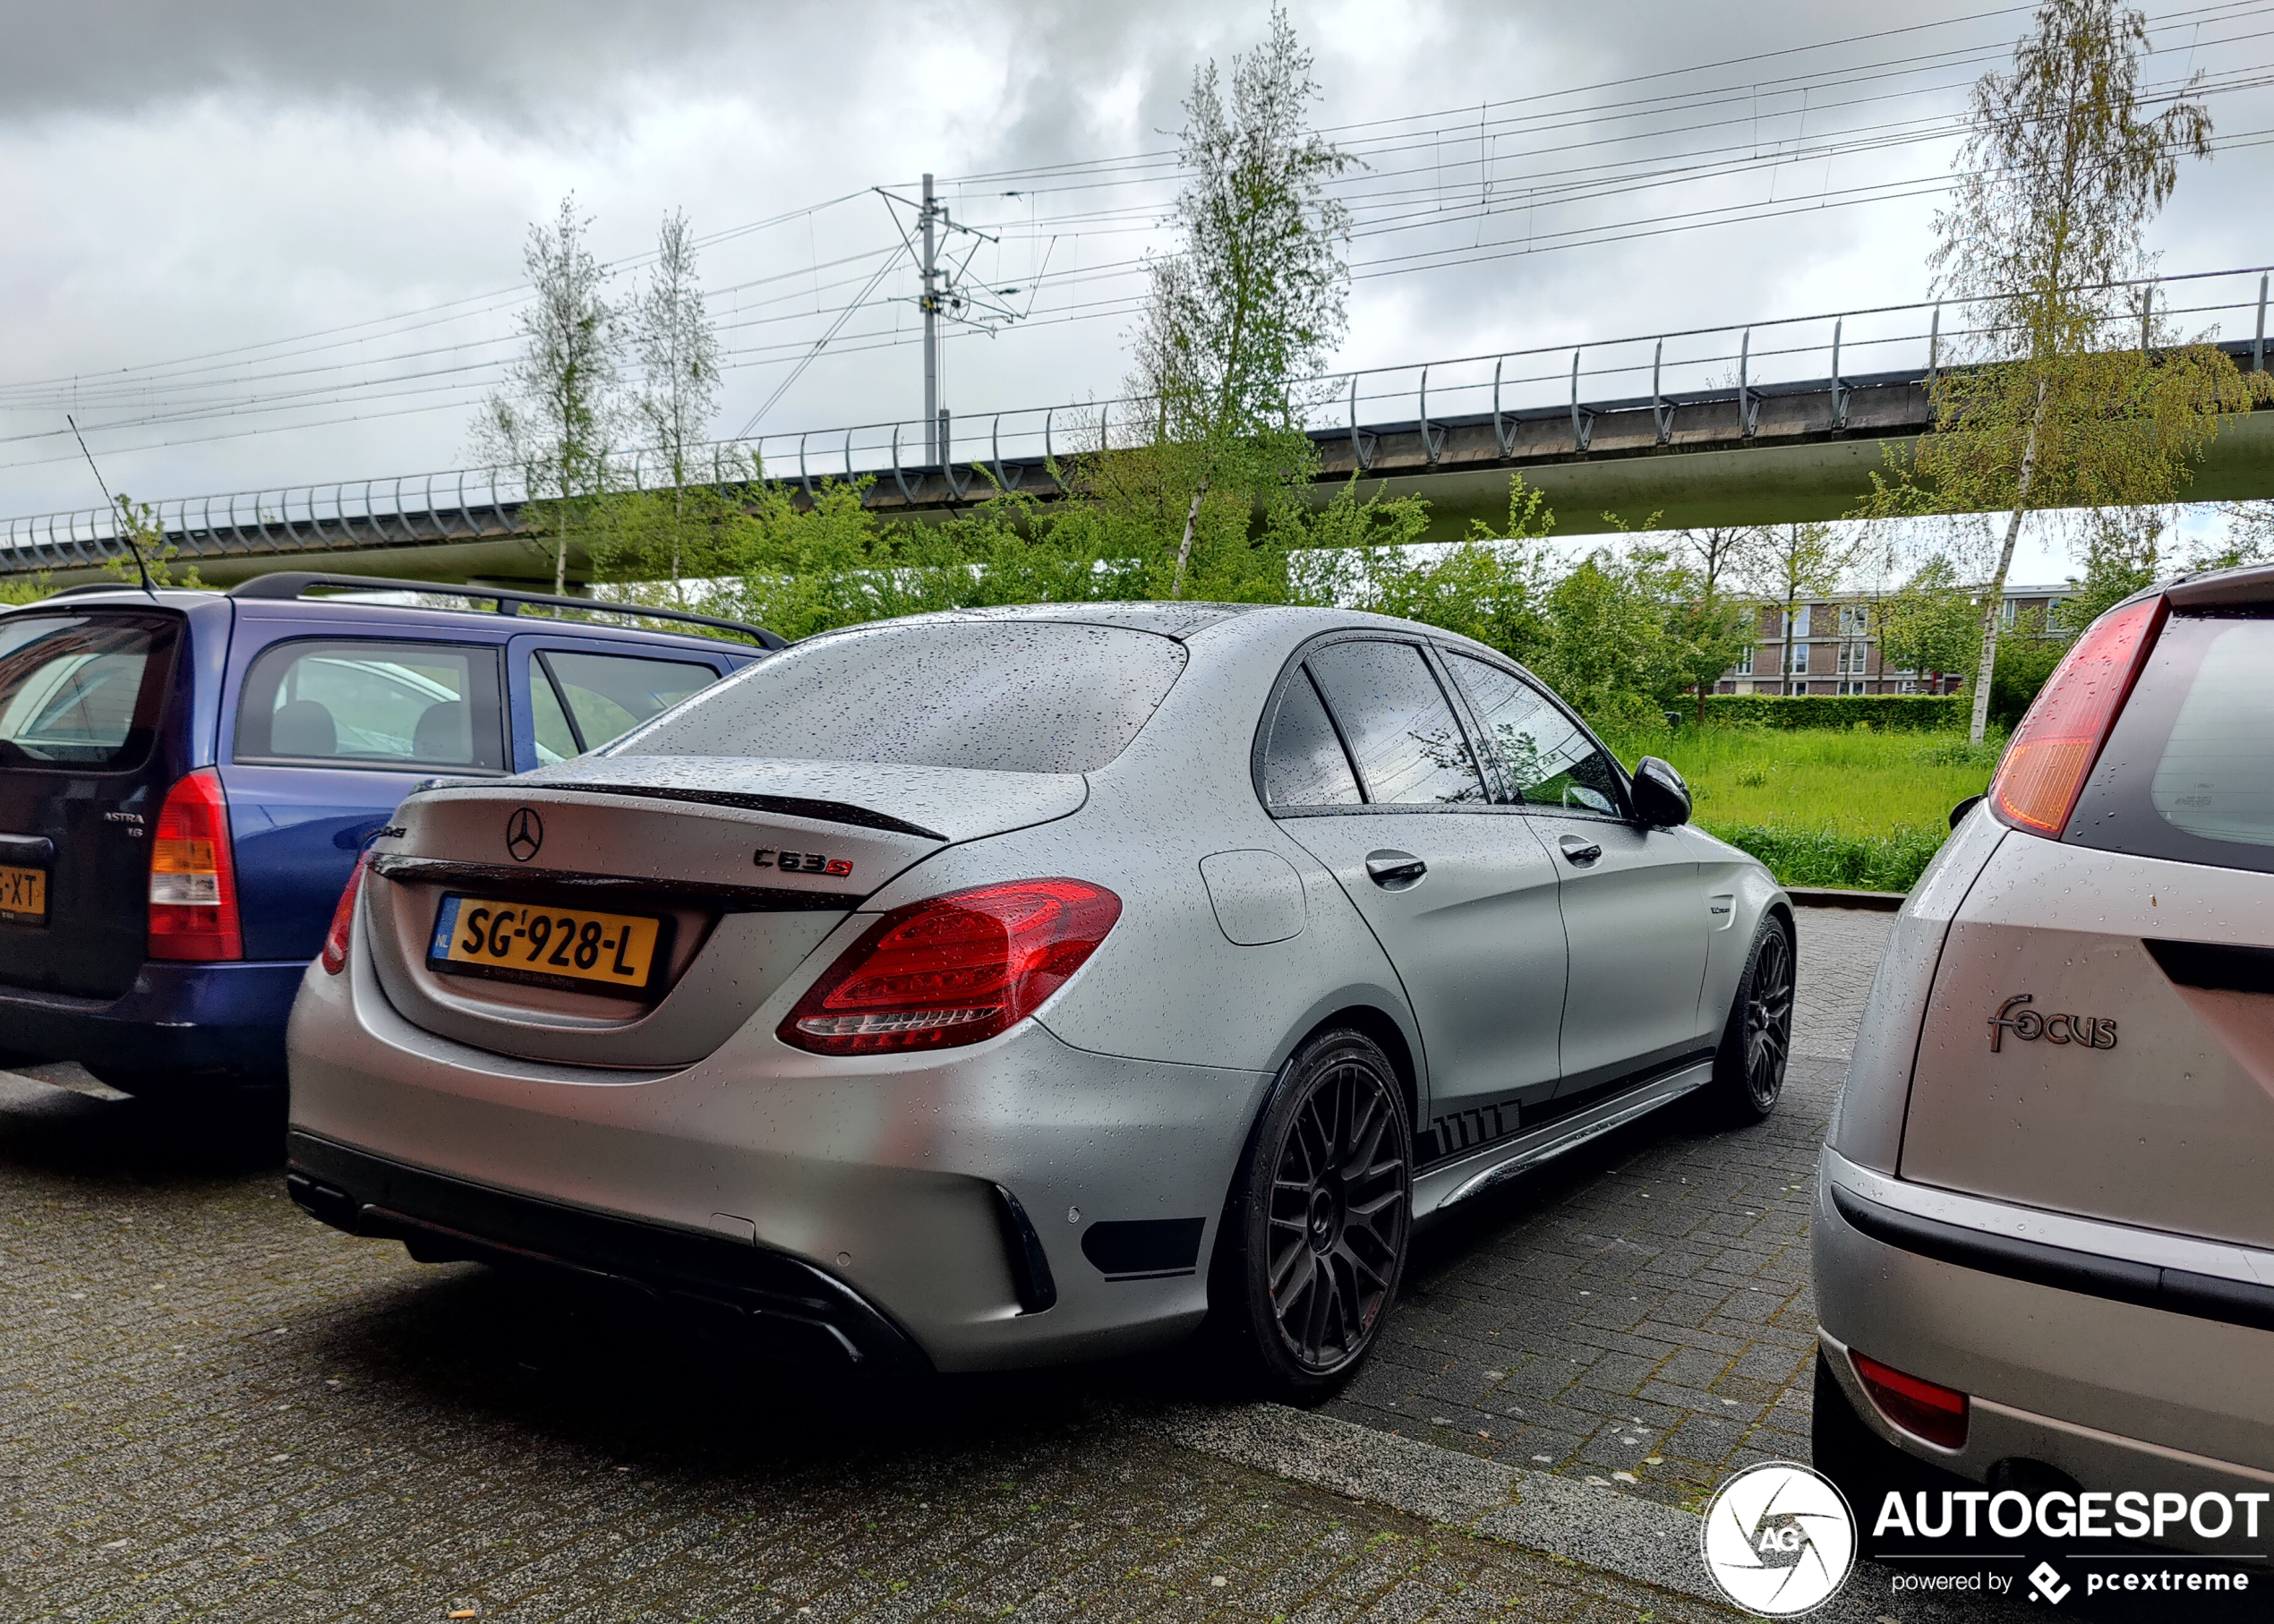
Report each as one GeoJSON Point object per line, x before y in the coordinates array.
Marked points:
{"type": "Point", "coordinates": [1408, 748]}
{"type": "Point", "coordinates": [1304, 762]}
{"type": "Point", "coordinates": [1008, 695]}
{"type": "Point", "coordinates": [1544, 757]}
{"type": "Point", "coordinates": [82, 690]}
{"type": "Point", "coordinates": [361, 703]}
{"type": "Point", "coordinates": [2188, 772]}
{"type": "Point", "coordinates": [586, 699]}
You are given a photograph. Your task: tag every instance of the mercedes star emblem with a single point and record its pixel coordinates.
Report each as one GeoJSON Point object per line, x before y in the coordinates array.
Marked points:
{"type": "Point", "coordinates": [525, 832]}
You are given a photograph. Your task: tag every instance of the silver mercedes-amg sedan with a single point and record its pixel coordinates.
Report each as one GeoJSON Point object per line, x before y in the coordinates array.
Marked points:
{"type": "Point", "coordinates": [2044, 1226]}
{"type": "Point", "coordinates": [984, 989]}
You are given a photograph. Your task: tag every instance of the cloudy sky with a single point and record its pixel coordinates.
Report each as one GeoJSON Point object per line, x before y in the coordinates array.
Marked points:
{"type": "Point", "coordinates": [251, 244]}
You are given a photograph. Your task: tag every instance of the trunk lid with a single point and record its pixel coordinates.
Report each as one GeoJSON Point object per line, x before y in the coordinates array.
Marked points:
{"type": "Point", "coordinates": [87, 713]}
{"type": "Point", "coordinates": [714, 878]}
{"type": "Point", "coordinates": [2100, 1035]}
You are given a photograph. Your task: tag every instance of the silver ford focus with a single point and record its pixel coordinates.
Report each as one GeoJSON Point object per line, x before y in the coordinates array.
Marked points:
{"type": "Point", "coordinates": [2044, 1227]}
{"type": "Point", "coordinates": [987, 990]}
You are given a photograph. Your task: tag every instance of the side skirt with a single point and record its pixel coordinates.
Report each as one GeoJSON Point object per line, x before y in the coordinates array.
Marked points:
{"type": "Point", "coordinates": [1442, 1186]}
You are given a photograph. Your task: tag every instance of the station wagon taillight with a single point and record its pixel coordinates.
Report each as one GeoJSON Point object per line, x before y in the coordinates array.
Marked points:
{"type": "Point", "coordinates": [953, 970]}
{"type": "Point", "coordinates": [193, 878]}
{"type": "Point", "coordinates": [2053, 751]}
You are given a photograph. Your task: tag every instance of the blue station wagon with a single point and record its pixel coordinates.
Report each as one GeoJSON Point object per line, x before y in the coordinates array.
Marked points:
{"type": "Point", "coordinates": [187, 780]}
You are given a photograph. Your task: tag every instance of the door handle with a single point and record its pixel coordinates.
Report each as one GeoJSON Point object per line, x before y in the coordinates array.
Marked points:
{"type": "Point", "coordinates": [1577, 849]}
{"type": "Point", "coordinates": [1394, 870]}
{"type": "Point", "coordinates": [28, 848]}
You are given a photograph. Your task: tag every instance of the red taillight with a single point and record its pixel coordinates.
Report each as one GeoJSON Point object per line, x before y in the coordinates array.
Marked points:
{"type": "Point", "coordinates": [1935, 1414]}
{"type": "Point", "coordinates": [343, 918]}
{"type": "Point", "coordinates": [954, 970]}
{"type": "Point", "coordinates": [2055, 747]}
{"type": "Point", "coordinates": [193, 875]}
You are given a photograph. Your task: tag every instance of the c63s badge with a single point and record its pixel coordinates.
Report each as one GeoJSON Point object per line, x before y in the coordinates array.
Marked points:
{"type": "Point", "coordinates": [803, 862]}
{"type": "Point", "coordinates": [2086, 1031]}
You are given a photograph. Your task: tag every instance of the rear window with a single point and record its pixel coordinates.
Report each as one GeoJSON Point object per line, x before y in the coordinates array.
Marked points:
{"type": "Point", "coordinates": [363, 702]}
{"type": "Point", "coordinates": [1005, 695]}
{"type": "Point", "coordinates": [2188, 771]}
{"type": "Point", "coordinates": [82, 690]}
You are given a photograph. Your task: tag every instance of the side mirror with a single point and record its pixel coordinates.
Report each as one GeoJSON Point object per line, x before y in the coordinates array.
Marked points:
{"type": "Point", "coordinates": [1958, 813]}
{"type": "Point", "coordinates": [1662, 800]}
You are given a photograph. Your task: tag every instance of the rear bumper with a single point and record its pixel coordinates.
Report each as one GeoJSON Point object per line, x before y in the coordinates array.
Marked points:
{"type": "Point", "coordinates": [2112, 1389]}
{"type": "Point", "coordinates": [180, 1018]}
{"type": "Point", "coordinates": [785, 1305]}
{"type": "Point", "coordinates": [1016, 1202]}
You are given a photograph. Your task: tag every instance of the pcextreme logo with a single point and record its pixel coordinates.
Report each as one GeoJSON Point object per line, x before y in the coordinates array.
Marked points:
{"type": "Point", "coordinates": [1779, 1540]}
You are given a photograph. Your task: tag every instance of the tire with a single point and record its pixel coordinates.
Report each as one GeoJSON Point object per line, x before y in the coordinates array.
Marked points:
{"type": "Point", "coordinates": [1315, 1233]}
{"type": "Point", "coordinates": [1757, 1041]}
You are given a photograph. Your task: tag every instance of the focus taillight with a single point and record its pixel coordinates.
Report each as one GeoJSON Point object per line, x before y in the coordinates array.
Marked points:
{"type": "Point", "coordinates": [2054, 749]}
{"type": "Point", "coordinates": [193, 877]}
{"type": "Point", "coordinates": [1920, 1408]}
{"type": "Point", "coordinates": [953, 970]}
{"type": "Point", "coordinates": [343, 918]}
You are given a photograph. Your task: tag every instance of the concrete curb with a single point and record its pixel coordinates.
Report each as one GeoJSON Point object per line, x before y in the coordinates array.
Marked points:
{"type": "Point", "coordinates": [1634, 1538]}
{"type": "Point", "coordinates": [1825, 896]}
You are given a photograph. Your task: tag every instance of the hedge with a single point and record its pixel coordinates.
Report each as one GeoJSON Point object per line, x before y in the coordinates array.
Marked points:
{"type": "Point", "coordinates": [1820, 857]}
{"type": "Point", "coordinates": [1881, 712]}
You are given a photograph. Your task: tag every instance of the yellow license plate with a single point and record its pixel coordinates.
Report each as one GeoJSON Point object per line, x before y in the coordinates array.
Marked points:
{"type": "Point", "coordinates": [23, 895]}
{"type": "Point", "coordinates": [545, 946]}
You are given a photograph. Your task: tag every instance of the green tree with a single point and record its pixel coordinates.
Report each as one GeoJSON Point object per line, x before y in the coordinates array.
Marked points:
{"type": "Point", "coordinates": [2063, 166]}
{"type": "Point", "coordinates": [559, 414]}
{"type": "Point", "coordinates": [2026, 656]}
{"type": "Point", "coordinates": [1792, 564]}
{"type": "Point", "coordinates": [677, 350]}
{"type": "Point", "coordinates": [1607, 651]}
{"type": "Point", "coordinates": [2123, 553]}
{"type": "Point", "coordinates": [1491, 587]}
{"type": "Point", "coordinates": [139, 525]}
{"type": "Point", "coordinates": [25, 588]}
{"type": "Point", "coordinates": [1252, 301]}
{"type": "Point", "coordinates": [1711, 621]}
{"type": "Point", "coordinates": [1929, 625]}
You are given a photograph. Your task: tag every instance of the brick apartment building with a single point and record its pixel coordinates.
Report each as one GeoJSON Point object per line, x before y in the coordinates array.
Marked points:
{"type": "Point", "coordinates": [1835, 648]}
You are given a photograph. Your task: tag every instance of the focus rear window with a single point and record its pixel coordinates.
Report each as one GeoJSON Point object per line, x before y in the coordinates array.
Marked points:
{"type": "Point", "coordinates": [2188, 772]}
{"type": "Point", "coordinates": [1007, 697]}
{"type": "Point", "coordinates": [82, 690]}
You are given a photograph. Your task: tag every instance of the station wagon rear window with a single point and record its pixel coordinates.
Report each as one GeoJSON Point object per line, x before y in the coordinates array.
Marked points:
{"type": "Point", "coordinates": [361, 702]}
{"type": "Point", "coordinates": [83, 691]}
{"type": "Point", "coordinates": [1005, 695]}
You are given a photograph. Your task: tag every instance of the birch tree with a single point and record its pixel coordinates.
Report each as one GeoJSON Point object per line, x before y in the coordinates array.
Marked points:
{"type": "Point", "coordinates": [677, 350]}
{"type": "Point", "coordinates": [2073, 399]}
{"type": "Point", "coordinates": [558, 412]}
{"type": "Point", "coordinates": [1254, 301]}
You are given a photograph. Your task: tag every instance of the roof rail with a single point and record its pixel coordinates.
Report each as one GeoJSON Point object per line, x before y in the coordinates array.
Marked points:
{"type": "Point", "coordinates": [296, 583]}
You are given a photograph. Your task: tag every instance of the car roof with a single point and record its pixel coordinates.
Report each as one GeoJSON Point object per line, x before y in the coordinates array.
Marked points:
{"type": "Point", "coordinates": [374, 613]}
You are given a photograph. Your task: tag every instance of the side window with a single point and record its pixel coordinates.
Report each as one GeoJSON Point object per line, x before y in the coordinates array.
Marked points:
{"type": "Point", "coordinates": [362, 703]}
{"type": "Point", "coordinates": [1304, 762]}
{"type": "Point", "coordinates": [1409, 750]}
{"type": "Point", "coordinates": [1543, 757]}
{"type": "Point", "coordinates": [584, 700]}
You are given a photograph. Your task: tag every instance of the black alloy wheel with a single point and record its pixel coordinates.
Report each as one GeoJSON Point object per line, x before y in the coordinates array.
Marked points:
{"type": "Point", "coordinates": [1748, 1069]}
{"type": "Point", "coordinates": [1321, 1225]}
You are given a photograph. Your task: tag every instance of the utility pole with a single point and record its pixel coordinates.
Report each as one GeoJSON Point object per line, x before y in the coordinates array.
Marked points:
{"type": "Point", "coordinates": [931, 307]}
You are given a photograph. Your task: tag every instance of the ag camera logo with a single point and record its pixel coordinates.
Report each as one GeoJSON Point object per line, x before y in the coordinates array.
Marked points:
{"type": "Point", "coordinates": [1779, 1539]}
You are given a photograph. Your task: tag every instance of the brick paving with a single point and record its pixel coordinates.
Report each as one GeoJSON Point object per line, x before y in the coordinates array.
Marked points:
{"type": "Point", "coordinates": [1639, 1313]}
{"type": "Point", "coordinates": [212, 1407]}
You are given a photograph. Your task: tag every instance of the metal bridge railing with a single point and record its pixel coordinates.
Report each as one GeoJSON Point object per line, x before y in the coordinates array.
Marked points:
{"type": "Point", "coordinates": [1021, 447]}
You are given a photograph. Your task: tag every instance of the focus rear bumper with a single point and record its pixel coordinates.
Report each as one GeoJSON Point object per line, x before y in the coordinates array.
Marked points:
{"type": "Point", "coordinates": [2132, 1386]}
{"type": "Point", "coordinates": [785, 1305]}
